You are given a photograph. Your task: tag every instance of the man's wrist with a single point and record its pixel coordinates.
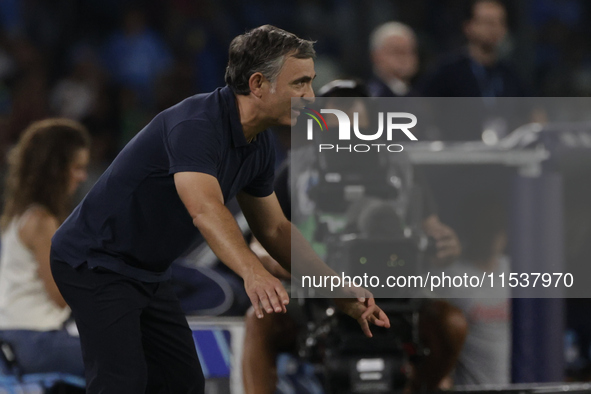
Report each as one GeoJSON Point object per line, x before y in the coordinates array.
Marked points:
{"type": "Point", "coordinates": [251, 266]}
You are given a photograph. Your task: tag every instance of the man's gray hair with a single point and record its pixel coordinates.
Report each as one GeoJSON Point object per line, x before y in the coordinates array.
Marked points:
{"type": "Point", "coordinates": [263, 49]}
{"type": "Point", "coordinates": [388, 29]}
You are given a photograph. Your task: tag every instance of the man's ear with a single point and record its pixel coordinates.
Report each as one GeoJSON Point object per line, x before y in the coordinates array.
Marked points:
{"type": "Point", "coordinates": [256, 82]}
{"type": "Point", "coordinates": [375, 55]}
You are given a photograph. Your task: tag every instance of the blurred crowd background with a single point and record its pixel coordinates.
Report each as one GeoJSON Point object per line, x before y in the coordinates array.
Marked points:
{"type": "Point", "coordinates": [114, 64]}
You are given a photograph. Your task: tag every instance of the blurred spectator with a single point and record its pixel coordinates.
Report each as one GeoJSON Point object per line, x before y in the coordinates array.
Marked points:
{"type": "Point", "coordinates": [136, 55]}
{"type": "Point", "coordinates": [7, 72]}
{"type": "Point", "coordinates": [200, 33]}
{"type": "Point", "coordinates": [75, 95]}
{"type": "Point", "coordinates": [84, 95]}
{"type": "Point", "coordinates": [394, 58]}
{"type": "Point", "coordinates": [477, 70]}
{"type": "Point", "coordinates": [486, 355]}
{"type": "Point", "coordinates": [11, 17]}
{"type": "Point", "coordinates": [563, 61]}
{"type": "Point", "coordinates": [29, 90]}
{"type": "Point", "coordinates": [7, 64]}
{"type": "Point", "coordinates": [133, 116]}
{"type": "Point", "coordinates": [45, 169]}
{"type": "Point", "coordinates": [175, 85]}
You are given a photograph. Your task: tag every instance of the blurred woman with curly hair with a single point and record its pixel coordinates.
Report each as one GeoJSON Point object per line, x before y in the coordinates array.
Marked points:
{"type": "Point", "coordinates": [45, 169]}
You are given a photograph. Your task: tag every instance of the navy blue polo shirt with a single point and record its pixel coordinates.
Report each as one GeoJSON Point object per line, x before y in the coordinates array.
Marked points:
{"type": "Point", "coordinates": [133, 220]}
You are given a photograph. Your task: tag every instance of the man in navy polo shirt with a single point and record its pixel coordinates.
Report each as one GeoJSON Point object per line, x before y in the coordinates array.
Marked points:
{"type": "Point", "coordinates": [111, 258]}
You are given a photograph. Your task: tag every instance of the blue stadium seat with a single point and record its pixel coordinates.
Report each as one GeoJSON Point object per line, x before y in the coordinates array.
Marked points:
{"type": "Point", "coordinates": [13, 382]}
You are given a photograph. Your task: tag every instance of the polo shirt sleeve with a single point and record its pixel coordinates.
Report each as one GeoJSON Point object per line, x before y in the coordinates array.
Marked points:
{"type": "Point", "coordinates": [194, 146]}
{"type": "Point", "coordinates": [262, 184]}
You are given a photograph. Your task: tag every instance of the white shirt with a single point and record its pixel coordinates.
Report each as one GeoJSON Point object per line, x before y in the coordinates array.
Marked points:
{"type": "Point", "coordinates": [486, 355]}
{"type": "Point", "coordinates": [24, 301]}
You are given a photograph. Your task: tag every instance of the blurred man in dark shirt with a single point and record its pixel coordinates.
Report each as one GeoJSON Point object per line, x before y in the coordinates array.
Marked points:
{"type": "Point", "coordinates": [394, 58]}
{"type": "Point", "coordinates": [477, 71]}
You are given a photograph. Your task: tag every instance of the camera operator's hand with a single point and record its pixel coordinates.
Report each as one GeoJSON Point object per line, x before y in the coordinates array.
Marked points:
{"type": "Point", "coordinates": [447, 242]}
{"type": "Point", "coordinates": [265, 292]}
{"type": "Point", "coordinates": [366, 312]}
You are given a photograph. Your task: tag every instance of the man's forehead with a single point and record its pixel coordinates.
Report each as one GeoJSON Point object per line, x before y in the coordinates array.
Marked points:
{"type": "Point", "coordinates": [398, 40]}
{"type": "Point", "coordinates": [294, 68]}
{"type": "Point", "coordinates": [487, 7]}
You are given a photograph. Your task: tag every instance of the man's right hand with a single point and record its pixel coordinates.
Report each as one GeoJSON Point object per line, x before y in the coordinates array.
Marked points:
{"type": "Point", "coordinates": [203, 198]}
{"type": "Point", "coordinates": [265, 292]}
{"type": "Point", "coordinates": [269, 262]}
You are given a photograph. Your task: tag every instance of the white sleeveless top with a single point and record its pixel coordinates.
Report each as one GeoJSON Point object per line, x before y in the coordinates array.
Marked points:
{"type": "Point", "coordinates": [24, 302]}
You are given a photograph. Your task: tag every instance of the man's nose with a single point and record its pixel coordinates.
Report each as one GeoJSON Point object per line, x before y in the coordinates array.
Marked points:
{"type": "Point", "coordinates": [308, 95]}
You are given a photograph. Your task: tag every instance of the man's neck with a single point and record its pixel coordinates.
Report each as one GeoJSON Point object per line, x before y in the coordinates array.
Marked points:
{"type": "Point", "coordinates": [252, 123]}
{"type": "Point", "coordinates": [398, 86]}
{"type": "Point", "coordinates": [393, 81]}
{"type": "Point", "coordinates": [482, 56]}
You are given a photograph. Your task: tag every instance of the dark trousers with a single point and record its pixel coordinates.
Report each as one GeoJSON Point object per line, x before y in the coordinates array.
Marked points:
{"type": "Point", "coordinates": [135, 337]}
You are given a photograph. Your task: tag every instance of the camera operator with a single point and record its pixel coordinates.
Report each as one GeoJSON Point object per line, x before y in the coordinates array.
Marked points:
{"type": "Point", "coordinates": [441, 327]}
{"type": "Point", "coordinates": [485, 358]}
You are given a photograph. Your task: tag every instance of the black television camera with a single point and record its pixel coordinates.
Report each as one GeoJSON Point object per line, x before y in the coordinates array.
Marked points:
{"type": "Point", "coordinates": [378, 208]}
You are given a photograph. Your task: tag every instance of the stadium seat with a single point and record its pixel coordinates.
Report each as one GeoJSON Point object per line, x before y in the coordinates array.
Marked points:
{"type": "Point", "coordinates": [13, 382]}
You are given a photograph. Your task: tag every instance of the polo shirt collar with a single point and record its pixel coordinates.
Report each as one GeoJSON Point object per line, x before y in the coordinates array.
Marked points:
{"type": "Point", "coordinates": [238, 137]}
